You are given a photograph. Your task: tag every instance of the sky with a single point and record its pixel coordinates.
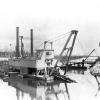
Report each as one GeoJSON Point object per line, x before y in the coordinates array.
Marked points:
{"type": "Point", "coordinates": [48, 19]}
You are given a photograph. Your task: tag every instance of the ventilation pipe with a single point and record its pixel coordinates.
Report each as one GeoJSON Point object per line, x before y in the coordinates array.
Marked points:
{"type": "Point", "coordinates": [31, 38]}
{"type": "Point", "coordinates": [17, 42]}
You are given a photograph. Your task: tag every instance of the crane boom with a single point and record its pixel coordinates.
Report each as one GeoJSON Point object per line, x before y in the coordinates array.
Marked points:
{"type": "Point", "coordinates": [73, 32]}
{"type": "Point", "coordinates": [63, 48]}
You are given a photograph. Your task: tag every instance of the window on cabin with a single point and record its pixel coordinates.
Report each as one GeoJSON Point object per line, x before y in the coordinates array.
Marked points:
{"type": "Point", "coordinates": [48, 53]}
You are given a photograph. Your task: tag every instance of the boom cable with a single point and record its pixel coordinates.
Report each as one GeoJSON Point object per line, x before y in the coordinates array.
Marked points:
{"type": "Point", "coordinates": [96, 53]}
{"type": "Point", "coordinates": [59, 37]}
{"type": "Point", "coordinates": [54, 40]}
{"type": "Point", "coordinates": [81, 46]}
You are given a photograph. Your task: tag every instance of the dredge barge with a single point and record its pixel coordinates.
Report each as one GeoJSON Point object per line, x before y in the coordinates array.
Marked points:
{"type": "Point", "coordinates": [41, 65]}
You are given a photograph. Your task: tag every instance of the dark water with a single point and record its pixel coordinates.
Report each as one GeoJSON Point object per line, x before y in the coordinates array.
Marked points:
{"type": "Point", "coordinates": [86, 88]}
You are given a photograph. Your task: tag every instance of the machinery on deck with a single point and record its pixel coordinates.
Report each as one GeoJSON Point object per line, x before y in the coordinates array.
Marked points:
{"type": "Point", "coordinates": [41, 64]}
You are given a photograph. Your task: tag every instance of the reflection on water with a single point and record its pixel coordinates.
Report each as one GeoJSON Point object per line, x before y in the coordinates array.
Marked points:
{"type": "Point", "coordinates": [86, 88]}
{"type": "Point", "coordinates": [40, 90]}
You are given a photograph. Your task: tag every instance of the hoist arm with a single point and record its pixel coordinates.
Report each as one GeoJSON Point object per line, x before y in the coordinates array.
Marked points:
{"type": "Point", "coordinates": [73, 32]}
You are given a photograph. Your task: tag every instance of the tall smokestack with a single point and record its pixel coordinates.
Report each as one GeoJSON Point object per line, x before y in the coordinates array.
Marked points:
{"type": "Point", "coordinates": [17, 42]}
{"type": "Point", "coordinates": [31, 38]}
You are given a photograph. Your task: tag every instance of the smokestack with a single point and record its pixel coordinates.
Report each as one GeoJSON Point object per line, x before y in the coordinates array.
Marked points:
{"type": "Point", "coordinates": [31, 38]}
{"type": "Point", "coordinates": [17, 42]}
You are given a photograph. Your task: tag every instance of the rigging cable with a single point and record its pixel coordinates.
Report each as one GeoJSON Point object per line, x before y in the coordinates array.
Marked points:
{"type": "Point", "coordinates": [58, 47]}
{"type": "Point", "coordinates": [53, 40]}
{"type": "Point", "coordinates": [56, 40]}
{"type": "Point", "coordinates": [96, 52]}
{"type": "Point", "coordinates": [81, 46]}
{"type": "Point", "coordinates": [62, 35]}
{"type": "Point", "coordinates": [40, 45]}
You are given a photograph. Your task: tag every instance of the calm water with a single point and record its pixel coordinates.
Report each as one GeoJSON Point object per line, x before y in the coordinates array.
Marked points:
{"type": "Point", "coordinates": [86, 88]}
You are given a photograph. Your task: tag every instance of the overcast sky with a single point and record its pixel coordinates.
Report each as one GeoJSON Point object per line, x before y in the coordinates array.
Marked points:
{"type": "Point", "coordinates": [49, 18]}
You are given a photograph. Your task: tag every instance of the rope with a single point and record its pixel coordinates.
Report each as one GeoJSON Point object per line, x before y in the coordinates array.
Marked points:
{"type": "Point", "coordinates": [60, 43]}
{"type": "Point", "coordinates": [96, 53]}
{"type": "Point", "coordinates": [59, 37]}
{"type": "Point", "coordinates": [54, 40]}
{"type": "Point", "coordinates": [40, 45]}
{"type": "Point", "coordinates": [80, 45]}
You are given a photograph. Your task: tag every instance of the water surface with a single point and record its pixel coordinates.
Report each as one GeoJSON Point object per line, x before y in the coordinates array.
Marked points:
{"type": "Point", "coordinates": [86, 88]}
